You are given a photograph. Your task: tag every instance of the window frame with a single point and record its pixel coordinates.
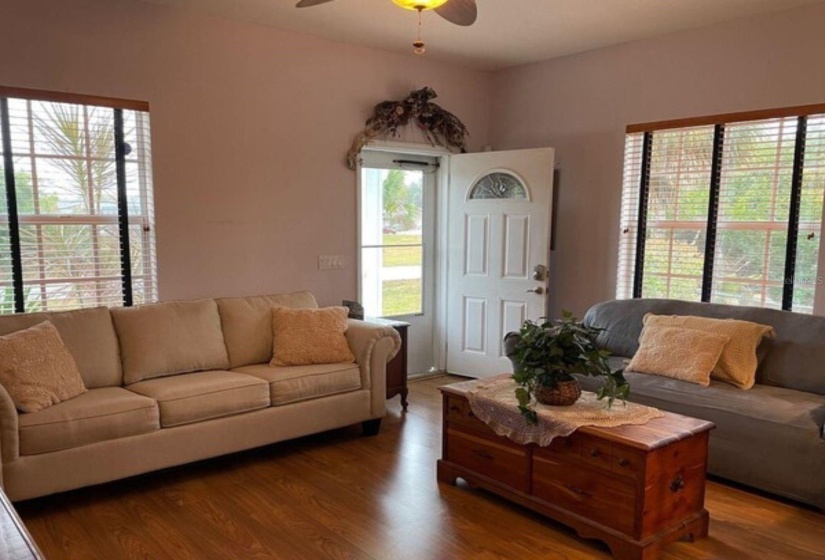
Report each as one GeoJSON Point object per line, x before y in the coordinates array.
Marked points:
{"type": "Point", "coordinates": [121, 219]}
{"type": "Point", "coordinates": [630, 270]}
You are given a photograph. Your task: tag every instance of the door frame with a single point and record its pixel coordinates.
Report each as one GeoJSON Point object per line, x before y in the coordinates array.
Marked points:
{"type": "Point", "coordinates": [440, 237]}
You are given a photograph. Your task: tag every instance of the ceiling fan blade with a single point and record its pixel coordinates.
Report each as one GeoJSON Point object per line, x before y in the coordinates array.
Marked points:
{"type": "Point", "coordinates": [308, 3]}
{"type": "Point", "coordinates": [459, 12]}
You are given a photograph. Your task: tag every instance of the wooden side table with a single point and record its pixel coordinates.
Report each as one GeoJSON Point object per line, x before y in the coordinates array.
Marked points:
{"type": "Point", "coordinates": [15, 541]}
{"type": "Point", "coordinates": [397, 367]}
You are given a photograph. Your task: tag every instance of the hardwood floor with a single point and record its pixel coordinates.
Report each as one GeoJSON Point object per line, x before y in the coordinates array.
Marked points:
{"type": "Point", "coordinates": [343, 496]}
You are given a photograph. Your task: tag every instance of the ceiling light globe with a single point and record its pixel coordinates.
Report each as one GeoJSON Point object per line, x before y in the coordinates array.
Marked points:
{"type": "Point", "coordinates": [420, 4]}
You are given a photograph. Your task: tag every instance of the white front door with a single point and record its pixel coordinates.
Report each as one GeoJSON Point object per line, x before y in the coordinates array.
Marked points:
{"type": "Point", "coordinates": [499, 209]}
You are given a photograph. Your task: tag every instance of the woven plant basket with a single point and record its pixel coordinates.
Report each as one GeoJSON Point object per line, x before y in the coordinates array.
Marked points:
{"type": "Point", "coordinates": [565, 393]}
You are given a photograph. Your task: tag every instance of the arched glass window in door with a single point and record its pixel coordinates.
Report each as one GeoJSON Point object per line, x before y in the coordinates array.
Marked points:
{"type": "Point", "coordinates": [498, 185]}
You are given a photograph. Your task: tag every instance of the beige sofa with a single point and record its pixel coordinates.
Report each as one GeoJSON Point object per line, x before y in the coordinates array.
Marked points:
{"type": "Point", "coordinates": [175, 382]}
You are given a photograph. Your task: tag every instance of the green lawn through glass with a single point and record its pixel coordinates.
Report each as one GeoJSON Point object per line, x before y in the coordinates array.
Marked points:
{"type": "Point", "coordinates": [402, 256]}
{"type": "Point", "coordinates": [401, 297]}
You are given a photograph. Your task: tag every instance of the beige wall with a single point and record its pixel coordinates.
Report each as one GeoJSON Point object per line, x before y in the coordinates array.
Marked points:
{"type": "Point", "coordinates": [581, 104]}
{"type": "Point", "coordinates": [249, 129]}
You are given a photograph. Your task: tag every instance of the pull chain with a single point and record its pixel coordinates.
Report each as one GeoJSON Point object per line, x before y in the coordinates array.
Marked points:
{"type": "Point", "coordinates": [419, 46]}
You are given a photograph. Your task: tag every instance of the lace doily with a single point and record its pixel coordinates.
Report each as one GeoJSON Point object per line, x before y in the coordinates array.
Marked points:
{"type": "Point", "coordinates": [494, 403]}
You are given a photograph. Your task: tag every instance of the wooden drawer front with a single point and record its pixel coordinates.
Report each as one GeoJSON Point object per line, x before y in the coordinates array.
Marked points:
{"type": "Point", "coordinates": [626, 462]}
{"type": "Point", "coordinates": [459, 412]}
{"type": "Point", "coordinates": [507, 464]}
{"type": "Point", "coordinates": [455, 409]}
{"type": "Point", "coordinates": [585, 491]}
{"type": "Point", "coordinates": [596, 452]}
{"type": "Point", "coordinates": [567, 448]}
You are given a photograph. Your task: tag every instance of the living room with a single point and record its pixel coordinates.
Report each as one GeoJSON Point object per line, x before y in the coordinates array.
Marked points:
{"type": "Point", "coordinates": [251, 118]}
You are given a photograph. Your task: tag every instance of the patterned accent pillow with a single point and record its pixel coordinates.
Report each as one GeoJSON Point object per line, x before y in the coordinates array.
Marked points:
{"type": "Point", "coordinates": [37, 370]}
{"type": "Point", "coordinates": [684, 354]}
{"type": "Point", "coordinates": [738, 362]}
{"type": "Point", "coordinates": [309, 336]}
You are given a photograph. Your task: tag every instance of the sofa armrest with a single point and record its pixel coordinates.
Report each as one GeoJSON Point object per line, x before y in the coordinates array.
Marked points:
{"type": "Point", "coordinates": [373, 346]}
{"type": "Point", "coordinates": [9, 443]}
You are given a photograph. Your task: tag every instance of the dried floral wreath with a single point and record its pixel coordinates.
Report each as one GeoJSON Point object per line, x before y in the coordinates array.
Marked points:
{"type": "Point", "coordinates": [439, 126]}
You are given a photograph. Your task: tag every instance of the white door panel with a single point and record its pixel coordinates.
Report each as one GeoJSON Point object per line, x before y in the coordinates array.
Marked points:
{"type": "Point", "coordinates": [475, 325]}
{"type": "Point", "coordinates": [477, 245]}
{"type": "Point", "coordinates": [516, 246]}
{"type": "Point", "coordinates": [494, 246]}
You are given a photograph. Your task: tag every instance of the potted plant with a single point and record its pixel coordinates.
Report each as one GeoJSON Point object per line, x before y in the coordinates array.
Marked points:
{"type": "Point", "coordinates": [546, 355]}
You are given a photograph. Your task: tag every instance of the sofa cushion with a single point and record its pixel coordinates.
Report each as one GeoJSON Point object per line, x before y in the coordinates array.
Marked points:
{"type": "Point", "coordinates": [37, 370]}
{"type": "Point", "coordinates": [99, 415]}
{"type": "Point", "coordinates": [168, 338]}
{"type": "Point", "coordinates": [738, 362]}
{"type": "Point", "coordinates": [303, 337]}
{"type": "Point", "coordinates": [776, 407]}
{"type": "Point", "coordinates": [247, 324]}
{"type": "Point", "coordinates": [87, 333]}
{"type": "Point", "coordinates": [685, 354]}
{"type": "Point", "coordinates": [299, 383]}
{"type": "Point", "coordinates": [793, 359]}
{"type": "Point", "coordinates": [194, 397]}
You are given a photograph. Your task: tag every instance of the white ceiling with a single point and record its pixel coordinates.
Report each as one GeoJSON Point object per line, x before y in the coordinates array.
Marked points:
{"type": "Point", "coordinates": [507, 33]}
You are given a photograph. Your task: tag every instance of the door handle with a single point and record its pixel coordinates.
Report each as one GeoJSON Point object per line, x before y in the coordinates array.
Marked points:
{"type": "Point", "coordinates": [537, 290]}
{"type": "Point", "coordinates": [539, 272]}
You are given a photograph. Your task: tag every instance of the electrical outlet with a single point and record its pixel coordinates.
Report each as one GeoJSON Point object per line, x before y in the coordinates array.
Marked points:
{"type": "Point", "coordinates": [330, 262]}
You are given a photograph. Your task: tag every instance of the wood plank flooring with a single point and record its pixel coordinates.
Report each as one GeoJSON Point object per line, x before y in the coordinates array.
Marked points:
{"type": "Point", "coordinates": [343, 496]}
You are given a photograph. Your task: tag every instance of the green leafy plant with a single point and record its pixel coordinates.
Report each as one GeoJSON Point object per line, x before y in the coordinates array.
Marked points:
{"type": "Point", "coordinates": [545, 354]}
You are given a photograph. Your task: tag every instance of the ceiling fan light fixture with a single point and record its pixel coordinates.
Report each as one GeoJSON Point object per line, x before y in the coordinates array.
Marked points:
{"type": "Point", "coordinates": [420, 4]}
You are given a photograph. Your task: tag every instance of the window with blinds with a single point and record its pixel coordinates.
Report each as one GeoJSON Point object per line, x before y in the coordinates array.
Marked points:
{"type": "Point", "coordinates": [76, 217]}
{"type": "Point", "coordinates": [725, 209]}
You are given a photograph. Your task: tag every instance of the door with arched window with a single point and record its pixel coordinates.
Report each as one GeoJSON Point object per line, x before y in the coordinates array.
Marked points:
{"type": "Point", "coordinates": [499, 224]}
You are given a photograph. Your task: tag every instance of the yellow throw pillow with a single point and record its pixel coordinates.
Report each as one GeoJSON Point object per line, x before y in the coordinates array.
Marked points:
{"type": "Point", "coordinates": [309, 336]}
{"type": "Point", "coordinates": [684, 354]}
{"type": "Point", "coordinates": [36, 368]}
{"type": "Point", "coordinates": [738, 362]}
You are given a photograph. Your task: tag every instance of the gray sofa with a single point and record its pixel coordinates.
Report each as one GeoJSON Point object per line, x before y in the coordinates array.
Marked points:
{"type": "Point", "coordinates": [769, 437]}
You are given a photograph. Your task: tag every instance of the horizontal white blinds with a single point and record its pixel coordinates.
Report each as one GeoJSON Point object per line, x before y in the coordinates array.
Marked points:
{"type": "Point", "coordinates": [678, 179]}
{"type": "Point", "coordinates": [748, 204]}
{"type": "Point", "coordinates": [141, 203]}
{"type": "Point", "coordinates": [677, 215]}
{"type": "Point", "coordinates": [809, 243]}
{"type": "Point", "coordinates": [754, 207]}
{"type": "Point", "coordinates": [634, 144]}
{"type": "Point", "coordinates": [6, 287]}
{"type": "Point", "coordinates": [66, 186]}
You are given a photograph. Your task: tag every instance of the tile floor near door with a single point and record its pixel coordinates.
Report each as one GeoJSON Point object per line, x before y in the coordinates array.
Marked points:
{"type": "Point", "coordinates": [343, 496]}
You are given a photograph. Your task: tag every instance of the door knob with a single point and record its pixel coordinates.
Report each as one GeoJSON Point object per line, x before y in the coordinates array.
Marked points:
{"type": "Point", "coordinates": [538, 290]}
{"type": "Point", "coordinates": [539, 272]}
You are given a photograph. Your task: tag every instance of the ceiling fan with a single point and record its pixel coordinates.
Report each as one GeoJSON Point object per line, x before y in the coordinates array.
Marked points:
{"type": "Point", "coordinates": [459, 12]}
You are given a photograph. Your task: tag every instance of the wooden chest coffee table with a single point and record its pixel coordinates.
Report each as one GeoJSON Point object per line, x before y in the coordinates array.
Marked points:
{"type": "Point", "coordinates": [636, 488]}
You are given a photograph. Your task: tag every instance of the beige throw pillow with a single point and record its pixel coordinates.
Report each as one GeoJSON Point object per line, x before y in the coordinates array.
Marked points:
{"type": "Point", "coordinates": [36, 368]}
{"type": "Point", "coordinates": [738, 362]}
{"type": "Point", "coordinates": [309, 336]}
{"type": "Point", "coordinates": [684, 354]}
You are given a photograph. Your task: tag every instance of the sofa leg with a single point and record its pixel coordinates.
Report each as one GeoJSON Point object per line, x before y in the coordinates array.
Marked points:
{"type": "Point", "coordinates": [371, 427]}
